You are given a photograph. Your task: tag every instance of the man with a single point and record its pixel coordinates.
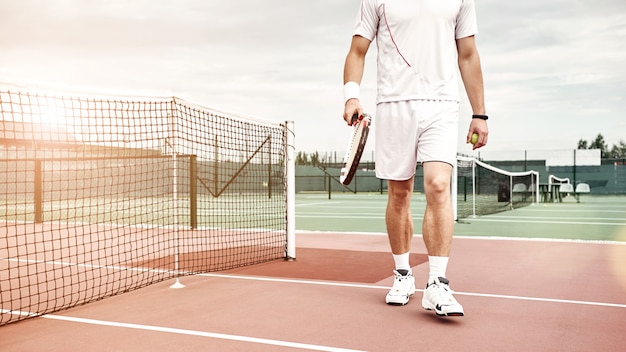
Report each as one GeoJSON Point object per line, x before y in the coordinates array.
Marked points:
{"type": "Point", "coordinates": [420, 45]}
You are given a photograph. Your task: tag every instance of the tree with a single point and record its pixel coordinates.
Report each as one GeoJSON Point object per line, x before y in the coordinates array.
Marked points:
{"type": "Point", "coordinates": [302, 159]}
{"type": "Point", "coordinates": [618, 151]}
{"type": "Point", "coordinates": [599, 143]}
{"type": "Point", "coordinates": [315, 159]}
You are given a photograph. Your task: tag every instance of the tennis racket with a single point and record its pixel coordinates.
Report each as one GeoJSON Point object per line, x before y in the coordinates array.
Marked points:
{"type": "Point", "coordinates": [355, 147]}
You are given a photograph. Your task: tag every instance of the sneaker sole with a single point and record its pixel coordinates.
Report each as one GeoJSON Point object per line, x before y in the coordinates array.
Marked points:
{"type": "Point", "coordinates": [399, 303]}
{"type": "Point", "coordinates": [449, 314]}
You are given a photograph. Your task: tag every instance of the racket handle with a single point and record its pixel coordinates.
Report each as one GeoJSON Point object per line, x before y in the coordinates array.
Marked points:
{"type": "Point", "coordinates": [355, 118]}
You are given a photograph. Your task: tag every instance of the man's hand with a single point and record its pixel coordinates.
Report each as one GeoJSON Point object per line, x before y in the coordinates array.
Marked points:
{"type": "Point", "coordinates": [478, 126]}
{"type": "Point", "coordinates": [353, 106]}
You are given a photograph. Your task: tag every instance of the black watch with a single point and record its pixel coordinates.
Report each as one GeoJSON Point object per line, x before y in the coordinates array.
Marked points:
{"type": "Point", "coordinates": [482, 117]}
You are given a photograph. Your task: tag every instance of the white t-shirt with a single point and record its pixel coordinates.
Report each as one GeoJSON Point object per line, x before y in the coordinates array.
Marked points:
{"type": "Point", "coordinates": [416, 40]}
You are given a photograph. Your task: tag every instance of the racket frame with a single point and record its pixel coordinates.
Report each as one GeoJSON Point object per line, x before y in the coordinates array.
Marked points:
{"type": "Point", "coordinates": [356, 147]}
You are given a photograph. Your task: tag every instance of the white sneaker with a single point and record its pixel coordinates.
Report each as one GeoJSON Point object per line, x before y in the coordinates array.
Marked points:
{"type": "Point", "coordinates": [403, 288]}
{"type": "Point", "coordinates": [438, 297]}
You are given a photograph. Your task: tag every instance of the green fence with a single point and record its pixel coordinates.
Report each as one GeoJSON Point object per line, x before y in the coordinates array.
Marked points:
{"type": "Point", "coordinates": [609, 178]}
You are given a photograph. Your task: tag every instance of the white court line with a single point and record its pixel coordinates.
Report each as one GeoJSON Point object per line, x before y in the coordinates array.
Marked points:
{"type": "Point", "coordinates": [501, 216]}
{"type": "Point", "coordinates": [186, 332]}
{"type": "Point", "coordinates": [295, 281]}
{"type": "Point", "coordinates": [545, 221]}
{"type": "Point", "coordinates": [309, 282]}
{"type": "Point", "coordinates": [524, 220]}
{"type": "Point", "coordinates": [311, 204]}
{"type": "Point", "coordinates": [540, 239]}
{"type": "Point", "coordinates": [549, 209]}
{"type": "Point", "coordinates": [328, 283]}
{"type": "Point", "coordinates": [92, 266]}
{"type": "Point", "coordinates": [335, 216]}
{"type": "Point", "coordinates": [483, 238]}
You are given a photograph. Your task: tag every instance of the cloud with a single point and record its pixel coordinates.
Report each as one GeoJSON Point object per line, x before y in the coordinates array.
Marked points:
{"type": "Point", "coordinates": [553, 70]}
{"type": "Point", "coordinates": [554, 67]}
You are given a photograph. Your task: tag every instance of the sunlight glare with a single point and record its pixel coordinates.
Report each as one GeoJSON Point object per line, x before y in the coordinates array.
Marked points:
{"type": "Point", "coordinates": [50, 114]}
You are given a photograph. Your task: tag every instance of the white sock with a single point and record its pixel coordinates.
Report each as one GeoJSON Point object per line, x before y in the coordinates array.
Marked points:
{"type": "Point", "coordinates": [437, 267]}
{"type": "Point", "coordinates": [402, 261]}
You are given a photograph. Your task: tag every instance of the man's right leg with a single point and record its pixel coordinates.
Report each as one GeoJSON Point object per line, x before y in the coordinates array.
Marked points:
{"type": "Point", "coordinates": [397, 130]}
{"type": "Point", "coordinates": [400, 231]}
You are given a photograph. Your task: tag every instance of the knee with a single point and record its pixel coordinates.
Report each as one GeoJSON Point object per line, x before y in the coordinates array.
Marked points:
{"type": "Point", "coordinates": [400, 196]}
{"type": "Point", "coordinates": [399, 193]}
{"type": "Point", "coordinates": [437, 187]}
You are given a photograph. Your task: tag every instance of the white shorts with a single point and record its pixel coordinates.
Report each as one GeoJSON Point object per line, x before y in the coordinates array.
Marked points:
{"type": "Point", "coordinates": [414, 131]}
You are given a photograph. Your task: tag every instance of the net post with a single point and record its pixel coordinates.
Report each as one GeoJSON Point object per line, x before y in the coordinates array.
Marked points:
{"type": "Point", "coordinates": [269, 168]}
{"type": "Point", "coordinates": [329, 185]}
{"type": "Point", "coordinates": [38, 192]}
{"type": "Point", "coordinates": [173, 133]}
{"type": "Point", "coordinates": [474, 188]}
{"type": "Point", "coordinates": [216, 159]}
{"type": "Point", "coordinates": [193, 192]}
{"type": "Point", "coordinates": [537, 188]}
{"type": "Point", "coordinates": [290, 166]}
{"type": "Point", "coordinates": [511, 191]}
{"type": "Point", "coordinates": [454, 188]}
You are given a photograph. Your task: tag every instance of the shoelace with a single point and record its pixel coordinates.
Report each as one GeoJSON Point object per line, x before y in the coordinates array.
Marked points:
{"type": "Point", "coordinates": [400, 280]}
{"type": "Point", "coordinates": [444, 291]}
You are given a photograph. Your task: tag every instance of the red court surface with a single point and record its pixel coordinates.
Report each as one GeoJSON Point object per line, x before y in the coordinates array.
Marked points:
{"type": "Point", "coordinates": [518, 295]}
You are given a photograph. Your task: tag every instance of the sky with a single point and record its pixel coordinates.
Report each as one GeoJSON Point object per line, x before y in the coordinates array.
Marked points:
{"type": "Point", "coordinates": [554, 71]}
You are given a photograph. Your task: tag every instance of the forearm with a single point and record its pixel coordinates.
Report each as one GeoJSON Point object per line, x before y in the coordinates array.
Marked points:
{"type": "Point", "coordinates": [472, 76]}
{"type": "Point", "coordinates": [352, 74]}
{"type": "Point", "coordinates": [353, 68]}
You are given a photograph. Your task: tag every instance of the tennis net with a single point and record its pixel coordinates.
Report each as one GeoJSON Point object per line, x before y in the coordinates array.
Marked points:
{"type": "Point", "coordinates": [483, 189]}
{"type": "Point", "coordinates": [554, 180]}
{"type": "Point", "coordinates": [104, 196]}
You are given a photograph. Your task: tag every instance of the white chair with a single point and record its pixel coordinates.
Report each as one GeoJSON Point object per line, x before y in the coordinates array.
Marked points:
{"type": "Point", "coordinates": [565, 188]}
{"type": "Point", "coordinates": [580, 189]}
{"type": "Point", "coordinates": [520, 188]}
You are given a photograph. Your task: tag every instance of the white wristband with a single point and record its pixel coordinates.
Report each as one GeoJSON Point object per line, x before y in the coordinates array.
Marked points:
{"type": "Point", "coordinates": [350, 90]}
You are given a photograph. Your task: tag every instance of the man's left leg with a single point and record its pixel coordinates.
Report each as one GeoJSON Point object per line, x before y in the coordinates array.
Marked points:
{"type": "Point", "coordinates": [437, 231]}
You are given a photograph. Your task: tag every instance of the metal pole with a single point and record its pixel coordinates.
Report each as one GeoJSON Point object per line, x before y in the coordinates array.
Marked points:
{"type": "Point", "coordinates": [290, 166]}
